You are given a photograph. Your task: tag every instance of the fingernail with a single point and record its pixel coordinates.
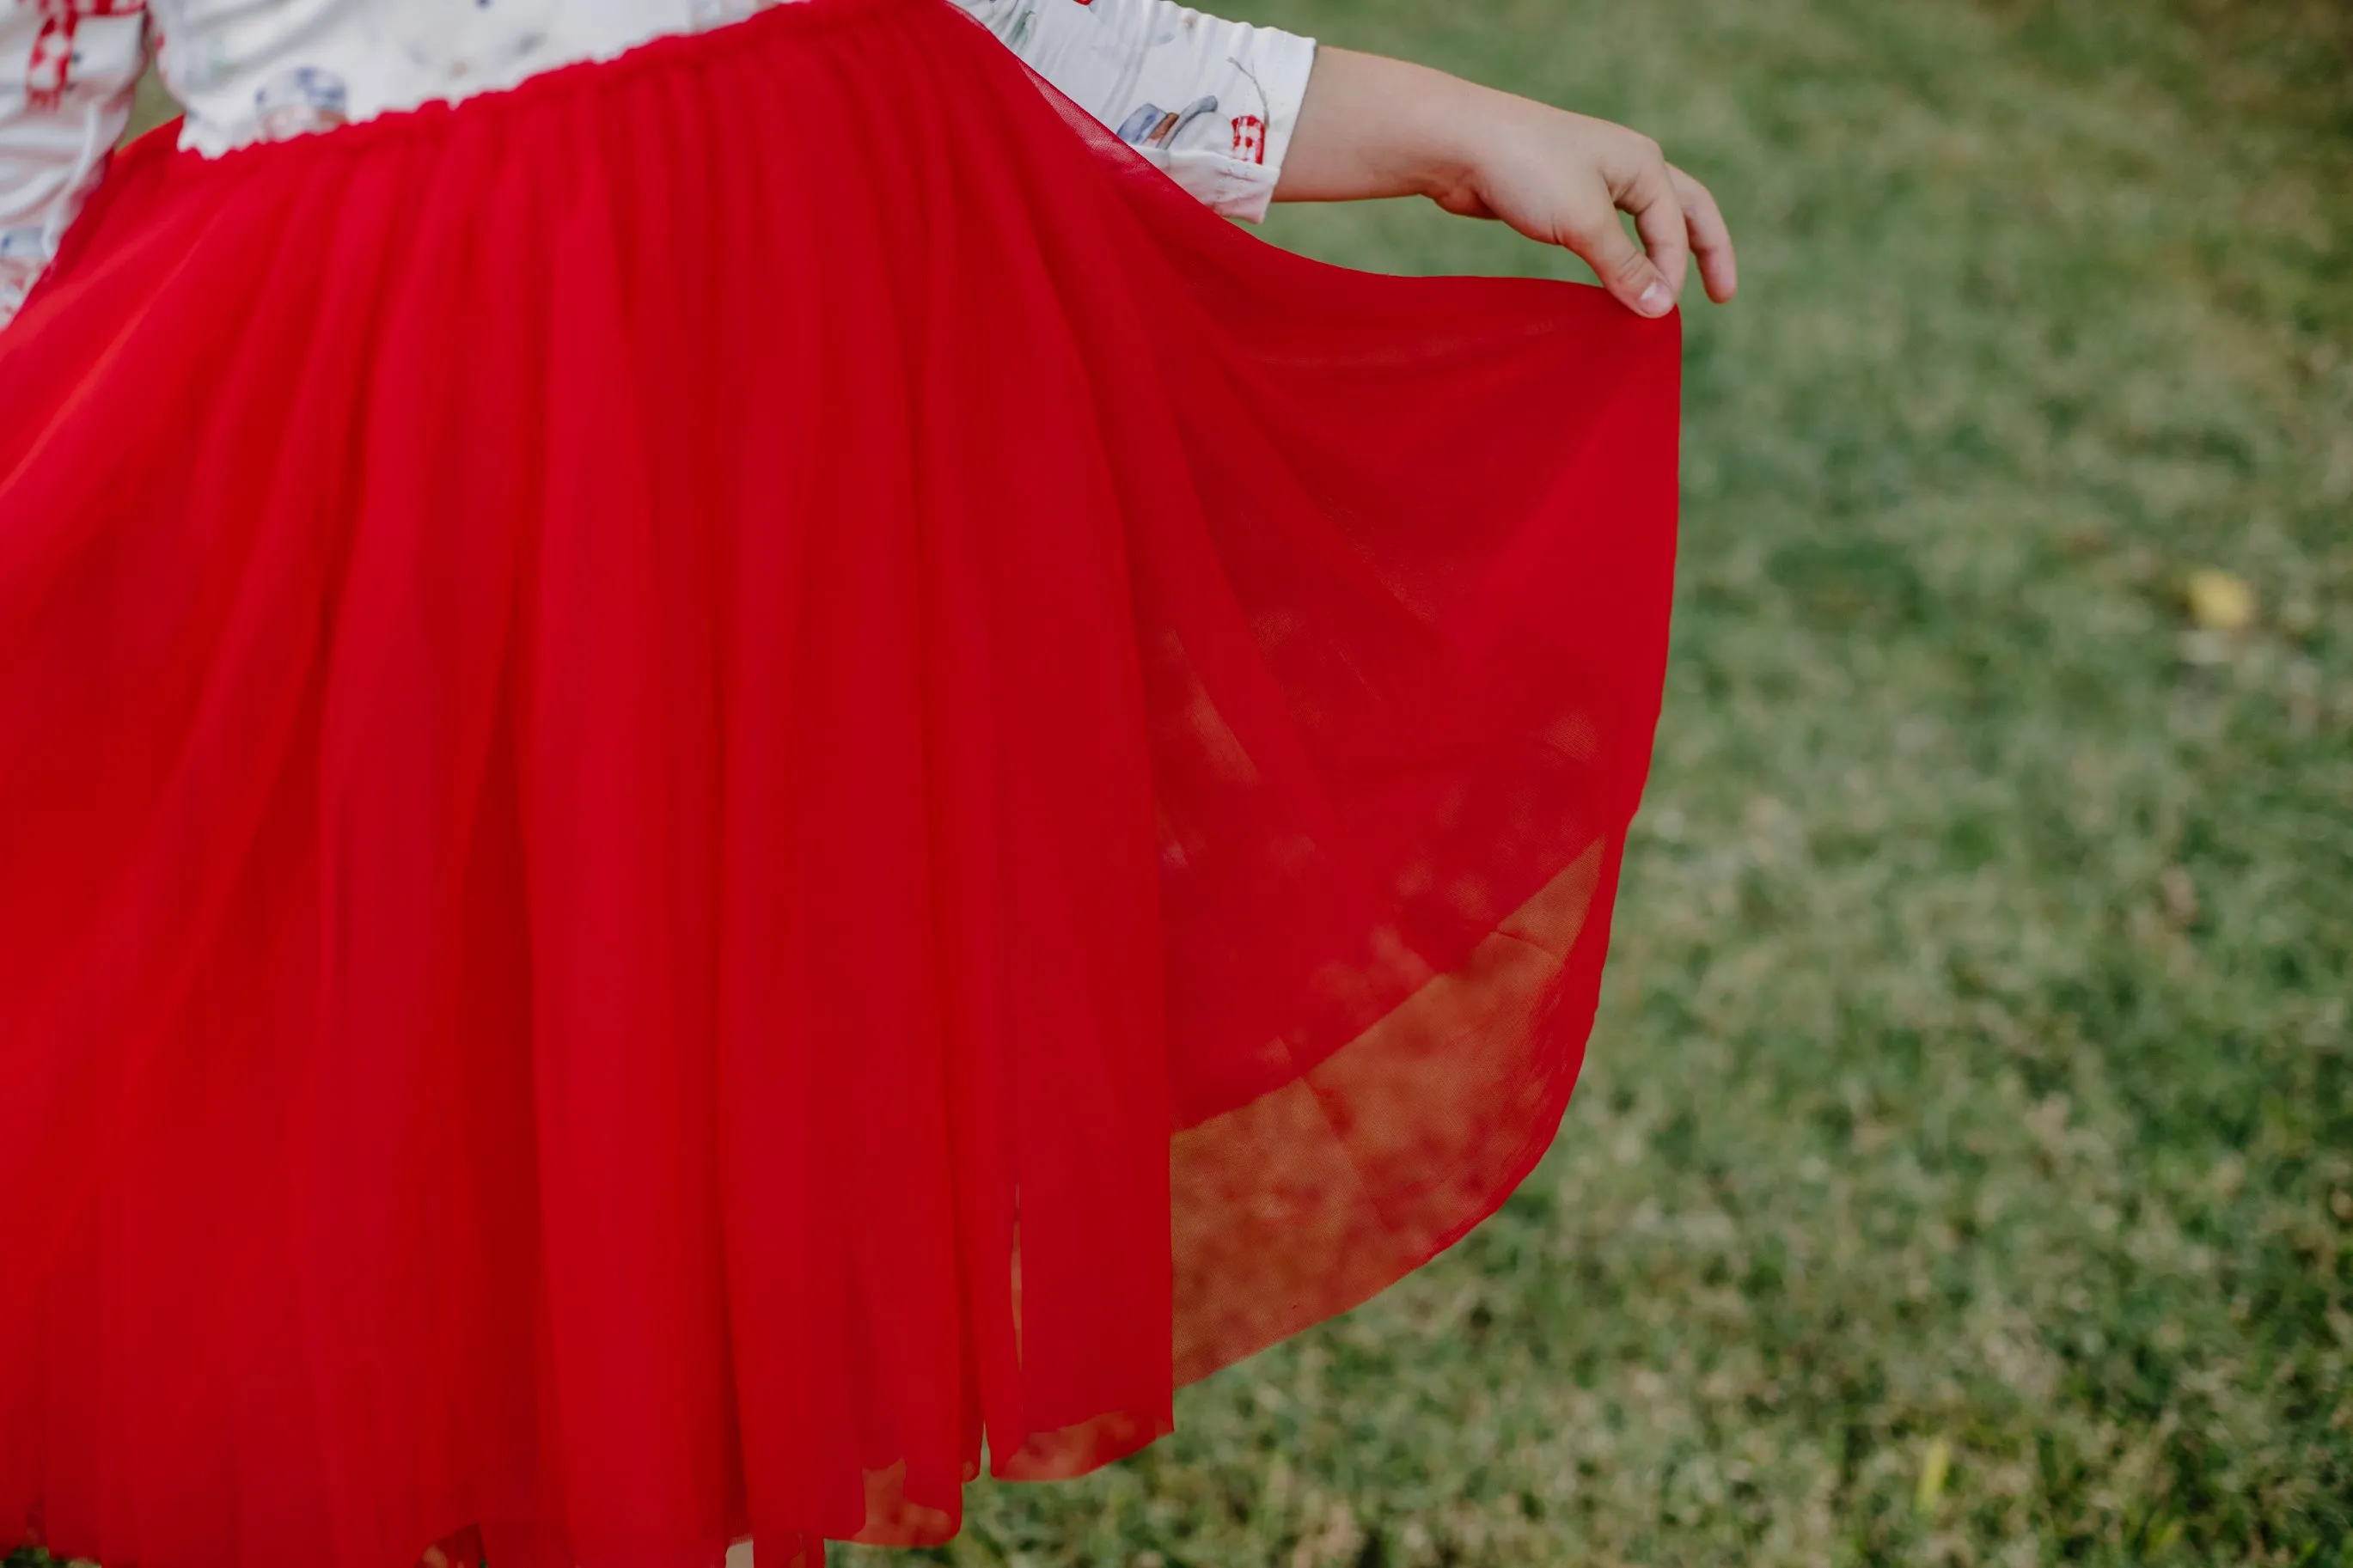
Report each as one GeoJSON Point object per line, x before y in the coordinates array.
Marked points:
{"type": "Point", "coordinates": [1655, 299]}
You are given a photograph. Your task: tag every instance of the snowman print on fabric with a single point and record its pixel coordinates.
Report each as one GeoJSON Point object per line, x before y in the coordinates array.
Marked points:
{"type": "Point", "coordinates": [1250, 129]}
{"type": "Point", "coordinates": [460, 41]}
{"type": "Point", "coordinates": [1151, 125]}
{"type": "Point", "coordinates": [1182, 38]}
{"type": "Point", "coordinates": [301, 100]}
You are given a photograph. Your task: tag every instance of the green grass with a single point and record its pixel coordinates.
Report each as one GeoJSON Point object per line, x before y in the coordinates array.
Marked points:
{"type": "Point", "coordinates": [1964, 1168]}
{"type": "Point", "coordinates": [1975, 1074]}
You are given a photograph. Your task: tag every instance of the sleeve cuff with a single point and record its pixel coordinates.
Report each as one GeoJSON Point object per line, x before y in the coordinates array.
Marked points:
{"type": "Point", "coordinates": [1240, 182]}
{"type": "Point", "coordinates": [1286, 61]}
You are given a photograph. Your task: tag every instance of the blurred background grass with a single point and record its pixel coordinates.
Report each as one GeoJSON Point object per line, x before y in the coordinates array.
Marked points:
{"type": "Point", "coordinates": [1963, 1172]}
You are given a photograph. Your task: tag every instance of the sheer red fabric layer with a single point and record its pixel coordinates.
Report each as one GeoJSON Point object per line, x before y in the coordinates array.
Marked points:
{"type": "Point", "coordinates": [725, 772]}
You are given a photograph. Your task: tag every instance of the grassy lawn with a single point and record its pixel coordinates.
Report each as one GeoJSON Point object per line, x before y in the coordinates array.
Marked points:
{"type": "Point", "coordinates": [1964, 1168]}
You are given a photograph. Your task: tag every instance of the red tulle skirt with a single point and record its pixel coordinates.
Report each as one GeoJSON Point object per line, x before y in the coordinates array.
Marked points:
{"type": "Point", "coordinates": [722, 776]}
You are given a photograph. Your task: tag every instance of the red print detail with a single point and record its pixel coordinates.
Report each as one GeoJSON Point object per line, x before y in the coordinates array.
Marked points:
{"type": "Point", "coordinates": [1250, 138]}
{"type": "Point", "coordinates": [49, 68]}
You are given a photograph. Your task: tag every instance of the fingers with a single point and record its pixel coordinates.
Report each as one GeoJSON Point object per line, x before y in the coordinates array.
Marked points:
{"type": "Point", "coordinates": [1646, 277]}
{"type": "Point", "coordinates": [1711, 237]}
{"type": "Point", "coordinates": [1586, 173]}
{"type": "Point", "coordinates": [1658, 212]}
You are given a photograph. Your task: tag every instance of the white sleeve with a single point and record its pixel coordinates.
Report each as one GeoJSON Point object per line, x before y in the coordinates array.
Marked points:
{"type": "Point", "coordinates": [66, 71]}
{"type": "Point", "coordinates": [1212, 102]}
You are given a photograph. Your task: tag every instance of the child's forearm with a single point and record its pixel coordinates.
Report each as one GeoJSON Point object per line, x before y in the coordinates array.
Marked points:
{"type": "Point", "coordinates": [1372, 127]}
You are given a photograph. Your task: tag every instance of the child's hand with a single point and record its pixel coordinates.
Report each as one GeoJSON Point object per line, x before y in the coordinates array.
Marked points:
{"type": "Point", "coordinates": [1562, 178]}
{"type": "Point", "coordinates": [1376, 127]}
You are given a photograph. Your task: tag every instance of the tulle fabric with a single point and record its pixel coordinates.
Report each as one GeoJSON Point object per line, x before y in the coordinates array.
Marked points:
{"type": "Point", "coordinates": [739, 775]}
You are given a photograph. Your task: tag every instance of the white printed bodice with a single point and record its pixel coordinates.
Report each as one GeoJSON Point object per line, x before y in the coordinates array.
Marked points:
{"type": "Point", "coordinates": [1210, 101]}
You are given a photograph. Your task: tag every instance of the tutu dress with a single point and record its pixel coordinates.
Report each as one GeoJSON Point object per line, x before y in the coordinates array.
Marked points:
{"type": "Point", "coordinates": [737, 771]}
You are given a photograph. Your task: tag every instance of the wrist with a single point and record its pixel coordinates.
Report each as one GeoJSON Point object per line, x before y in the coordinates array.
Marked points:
{"type": "Point", "coordinates": [1441, 136]}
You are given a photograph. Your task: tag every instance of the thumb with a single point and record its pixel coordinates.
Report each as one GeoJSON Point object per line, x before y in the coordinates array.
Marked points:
{"type": "Point", "coordinates": [1621, 266]}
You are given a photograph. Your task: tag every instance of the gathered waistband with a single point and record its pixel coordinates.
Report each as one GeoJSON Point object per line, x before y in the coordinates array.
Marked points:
{"type": "Point", "coordinates": [663, 49]}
